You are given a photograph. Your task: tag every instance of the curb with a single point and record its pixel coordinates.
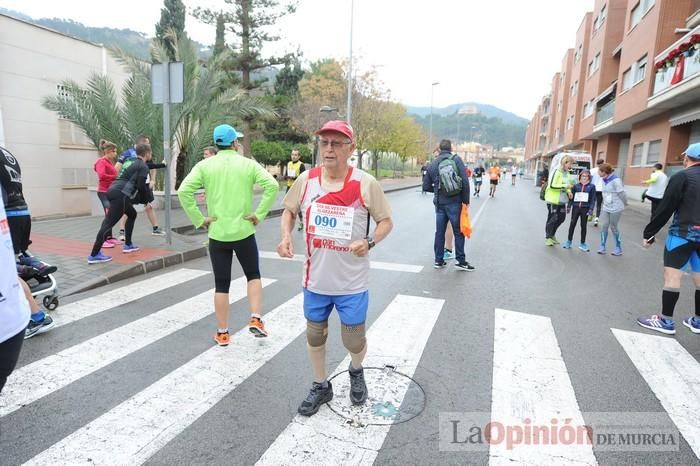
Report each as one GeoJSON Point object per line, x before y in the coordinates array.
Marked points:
{"type": "Point", "coordinates": [140, 268]}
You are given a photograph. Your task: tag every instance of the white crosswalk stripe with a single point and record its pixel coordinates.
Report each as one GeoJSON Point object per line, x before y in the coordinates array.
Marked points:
{"type": "Point", "coordinates": [95, 304]}
{"type": "Point", "coordinates": [530, 380]}
{"type": "Point", "coordinates": [52, 373]}
{"type": "Point", "coordinates": [673, 375]}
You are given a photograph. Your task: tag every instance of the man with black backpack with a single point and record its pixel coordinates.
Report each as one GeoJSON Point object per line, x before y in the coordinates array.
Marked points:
{"type": "Point", "coordinates": [446, 178]}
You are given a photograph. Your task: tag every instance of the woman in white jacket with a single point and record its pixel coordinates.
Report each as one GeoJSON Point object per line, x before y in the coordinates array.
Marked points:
{"type": "Point", "coordinates": [614, 202]}
{"type": "Point", "coordinates": [14, 309]}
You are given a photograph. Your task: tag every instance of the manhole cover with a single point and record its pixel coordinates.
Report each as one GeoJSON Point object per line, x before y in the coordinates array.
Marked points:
{"type": "Point", "coordinates": [393, 398]}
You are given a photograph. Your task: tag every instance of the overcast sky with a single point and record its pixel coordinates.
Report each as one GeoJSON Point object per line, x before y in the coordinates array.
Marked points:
{"type": "Point", "coordinates": [498, 52]}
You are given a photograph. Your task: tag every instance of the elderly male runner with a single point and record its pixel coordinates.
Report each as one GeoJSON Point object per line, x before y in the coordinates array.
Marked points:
{"type": "Point", "coordinates": [337, 201]}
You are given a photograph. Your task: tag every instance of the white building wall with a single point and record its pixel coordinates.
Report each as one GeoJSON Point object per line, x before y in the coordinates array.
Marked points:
{"type": "Point", "coordinates": [34, 60]}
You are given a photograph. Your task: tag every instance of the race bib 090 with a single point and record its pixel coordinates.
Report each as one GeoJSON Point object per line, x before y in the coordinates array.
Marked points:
{"type": "Point", "coordinates": [330, 221]}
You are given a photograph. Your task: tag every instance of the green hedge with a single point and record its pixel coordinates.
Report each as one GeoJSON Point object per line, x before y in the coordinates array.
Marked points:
{"type": "Point", "coordinates": [275, 152]}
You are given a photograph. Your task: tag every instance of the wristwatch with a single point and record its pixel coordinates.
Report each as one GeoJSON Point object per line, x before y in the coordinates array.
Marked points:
{"type": "Point", "coordinates": [370, 242]}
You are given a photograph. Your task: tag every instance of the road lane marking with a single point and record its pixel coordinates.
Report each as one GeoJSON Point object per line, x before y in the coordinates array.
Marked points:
{"type": "Point", "coordinates": [530, 381]}
{"type": "Point", "coordinates": [42, 377]}
{"type": "Point", "coordinates": [397, 337]}
{"type": "Point", "coordinates": [140, 426]}
{"type": "Point", "coordinates": [71, 312]}
{"type": "Point", "coordinates": [390, 266]}
{"type": "Point", "coordinates": [672, 374]}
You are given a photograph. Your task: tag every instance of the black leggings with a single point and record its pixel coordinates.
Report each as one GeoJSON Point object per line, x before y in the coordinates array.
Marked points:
{"type": "Point", "coordinates": [221, 255]}
{"type": "Point", "coordinates": [105, 206]}
{"type": "Point", "coordinates": [119, 204]}
{"type": "Point", "coordinates": [9, 353]}
{"type": "Point", "coordinates": [576, 214]}
{"type": "Point", "coordinates": [598, 202]}
{"type": "Point", "coordinates": [556, 214]}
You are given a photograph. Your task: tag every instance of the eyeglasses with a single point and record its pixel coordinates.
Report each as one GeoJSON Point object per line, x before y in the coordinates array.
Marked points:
{"type": "Point", "coordinates": [333, 144]}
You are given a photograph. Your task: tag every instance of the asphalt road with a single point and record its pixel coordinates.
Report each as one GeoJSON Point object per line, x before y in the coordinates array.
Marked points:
{"type": "Point", "coordinates": [567, 302]}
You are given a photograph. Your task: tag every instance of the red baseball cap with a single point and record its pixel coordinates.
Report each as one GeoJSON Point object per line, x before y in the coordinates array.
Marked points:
{"type": "Point", "coordinates": [338, 126]}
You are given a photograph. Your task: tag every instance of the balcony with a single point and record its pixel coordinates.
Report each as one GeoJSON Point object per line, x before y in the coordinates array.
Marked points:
{"type": "Point", "coordinates": [605, 113]}
{"type": "Point", "coordinates": [687, 86]}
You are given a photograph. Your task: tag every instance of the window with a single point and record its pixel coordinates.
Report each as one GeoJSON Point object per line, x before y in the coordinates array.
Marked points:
{"type": "Point", "coordinates": [570, 122]}
{"type": "Point", "coordinates": [594, 64]}
{"type": "Point", "coordinates": [603, 13]}
{"type": "Point", "coordinates": [559, 106]}
{"type": "Point", "coordinates": [588, 109]}
{"type": "Point", "coordinates": [635, 73]}
{"type": "Point", "coordinates": [646, 153]}
{"type": "Point", "coordinates": [556, 134]}
{"type": "Point", "coordinates": [637, 154]}
{"type": "Point", "coordinates": [596, 25]}
{"type": "Point", "coordinates": [640, 69]}
{"type": "Point", "coordinates": [574, 88]}
{"type": "Point", "coordinates": [639, 11]}
{"type": "Point", "coordinates": [654, 152]}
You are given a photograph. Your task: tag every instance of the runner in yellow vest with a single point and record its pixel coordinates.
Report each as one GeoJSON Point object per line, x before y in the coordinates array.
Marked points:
{"type": "Point", "coordinates": [292, 170]}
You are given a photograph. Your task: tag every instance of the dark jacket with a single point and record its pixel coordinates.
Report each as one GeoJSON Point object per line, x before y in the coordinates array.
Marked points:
{"type": "Point", "coordinates": [431, 181]}
{"type": "Point", "coordinates": [682, 201]}
{"type": "Point", "coordinates": [579, 188]}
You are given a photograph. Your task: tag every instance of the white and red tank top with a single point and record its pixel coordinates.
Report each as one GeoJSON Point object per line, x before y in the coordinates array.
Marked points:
{"type": "Point", "coordinates": [333, 220]}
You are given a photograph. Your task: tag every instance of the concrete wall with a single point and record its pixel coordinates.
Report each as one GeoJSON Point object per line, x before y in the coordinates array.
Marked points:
{"type": "Point", "coordinates": [40, 59]}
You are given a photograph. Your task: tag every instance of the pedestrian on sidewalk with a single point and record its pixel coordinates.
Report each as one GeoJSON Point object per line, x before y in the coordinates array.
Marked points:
{"type": "Point", "coordinates": [106, 174]}
{"type": "Point", "coordinates": [129, 185]}
{"type": "Point", "coordinates": [125, 159]}
{"type": "Point", "coordinates": [614, 202]}
{"type": "Point", "coordinates": [657, 185]}
{"type": "Point", "coordinates": [680, 201]}
{"type": "Point", "coordinates": [292, 170]}
{"type": "Point", "coordinates": [581, 206]}
{"type": "Point", "coordinates": [341, 199]}
{"type": "Point", "coordinates": [447, 179]}
{"type": "Point", "coordinates": [228, 180]}
{"type": "Point", "coordinates": [557, 196]}
{"type": "Point", "coordinates": [597, 181]}
{"type": "Point", "coordinates": [14, 310]}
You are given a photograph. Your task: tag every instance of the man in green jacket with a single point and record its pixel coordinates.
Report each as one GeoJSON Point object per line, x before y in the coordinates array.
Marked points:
{"type": "Point", "coordinates": [228, 180]}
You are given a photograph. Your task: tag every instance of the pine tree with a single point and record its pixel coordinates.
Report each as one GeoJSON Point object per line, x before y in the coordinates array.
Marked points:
{"type": "Point", "coordinates": [220, 44]}
{"type": "Point", "coordinates": [247, 20]}
{"type": "Point", "coordinates": [172, 21]}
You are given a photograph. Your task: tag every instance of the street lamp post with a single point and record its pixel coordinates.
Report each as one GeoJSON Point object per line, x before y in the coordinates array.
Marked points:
{"type": "Point", "coordinates": [349, 109]}
{"type": "Point", "coordinates": [430, 138]}
{"type": "Point", "coordinates": [323, 109]}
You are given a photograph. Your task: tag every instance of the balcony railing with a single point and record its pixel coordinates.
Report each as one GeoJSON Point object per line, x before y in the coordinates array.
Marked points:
{"type": "Point", "coordinates": [605, 113]}
{"type": "Point", "coordinates": [664, 76]}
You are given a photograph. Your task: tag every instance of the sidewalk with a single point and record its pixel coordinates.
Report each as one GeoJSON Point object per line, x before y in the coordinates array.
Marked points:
{"type": "Point", "coordinates": [66, 243]}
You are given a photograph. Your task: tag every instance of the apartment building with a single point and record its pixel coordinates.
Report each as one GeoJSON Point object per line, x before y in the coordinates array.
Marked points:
{"type": "Point", "coordinates": [55, 156]}
{"type": "Point", "coordinates": [641, 90]}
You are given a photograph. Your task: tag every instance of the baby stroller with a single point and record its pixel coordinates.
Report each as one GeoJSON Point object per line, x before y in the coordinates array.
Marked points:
{"type": "Point", "coordinates": [40, 279]}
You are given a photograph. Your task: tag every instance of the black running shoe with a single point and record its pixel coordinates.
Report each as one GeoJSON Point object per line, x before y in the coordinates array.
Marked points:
{"type": "Point", "coordinates": [464, 266]}
{"type": "Point", "coordinates": [316, 397]}
{"type": "Point", "coordinates": [440, 265]}
{"type": "Point", "coordinates": [35, 328]}
{"type": "Point", "coordinates": [358, 387]}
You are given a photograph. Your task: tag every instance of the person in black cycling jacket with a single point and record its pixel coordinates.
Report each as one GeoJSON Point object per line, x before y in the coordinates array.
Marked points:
{"type": "Point", "coordinates": [682, 201]}
{"type": "Point", "coordinates": [18, 216]}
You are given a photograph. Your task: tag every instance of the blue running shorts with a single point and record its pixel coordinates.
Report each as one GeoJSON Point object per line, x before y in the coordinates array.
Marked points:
{"type": "Point", "coordinates": [352, 308]}
{"type": "Point", "coordinates": [680, 253]}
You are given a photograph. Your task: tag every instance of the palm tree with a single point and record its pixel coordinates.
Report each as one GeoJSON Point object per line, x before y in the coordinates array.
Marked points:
{"type": "Point", "coordinates": [97, 110]}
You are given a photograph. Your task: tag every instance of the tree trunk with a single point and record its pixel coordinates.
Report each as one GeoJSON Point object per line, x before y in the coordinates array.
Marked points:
{"type": "Point", "coordinates": [180, 167]}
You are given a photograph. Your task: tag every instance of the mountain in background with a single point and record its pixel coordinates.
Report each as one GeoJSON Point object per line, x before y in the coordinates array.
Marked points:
{"type": "Point", "coordinates": [484, 109]}
{"type": "Point", "coordinates": [134, 43]}
{"type": "Point", "coordinates": [482, 123]}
